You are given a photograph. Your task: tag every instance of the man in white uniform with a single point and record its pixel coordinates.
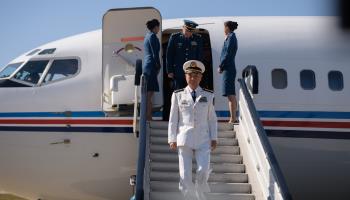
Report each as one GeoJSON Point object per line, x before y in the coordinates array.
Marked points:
{"type": "Point", "coordinates": [193, 130]}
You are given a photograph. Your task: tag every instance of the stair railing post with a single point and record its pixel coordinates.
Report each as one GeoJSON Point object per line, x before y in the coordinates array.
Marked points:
{"type": "Point", "coordinates": [142, 140]}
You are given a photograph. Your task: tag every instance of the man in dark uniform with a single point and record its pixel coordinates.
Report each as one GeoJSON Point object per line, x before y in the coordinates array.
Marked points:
{"type": "Point", "coordinates": [183, 46]}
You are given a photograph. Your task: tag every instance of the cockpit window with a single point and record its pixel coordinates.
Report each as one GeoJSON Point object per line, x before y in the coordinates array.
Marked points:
{"type": "Point", "coordinates": [61, 69]}
{"type": "Point", "coordinates": [47, 51]}
{"type": "Point", "coordinates": [31, 71]}
{"type": "Point", "coordinates": [33, 52]}
{"type": "Point", "coordinates": [9, 69]}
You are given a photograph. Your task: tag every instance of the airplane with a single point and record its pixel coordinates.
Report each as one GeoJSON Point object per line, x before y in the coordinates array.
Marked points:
{"type": "Point", "coordinates": [67, 107]}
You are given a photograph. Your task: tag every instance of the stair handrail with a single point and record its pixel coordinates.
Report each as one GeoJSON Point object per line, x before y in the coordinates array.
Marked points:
{"type": "Point", "coordinates": [137, 82]}
{"type": "Point", "coordinates": [142, 140]}
{"type": "Point", "coordinates": [270, 156]}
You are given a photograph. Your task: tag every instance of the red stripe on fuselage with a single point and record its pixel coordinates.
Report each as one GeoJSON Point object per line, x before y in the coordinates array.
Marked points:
{"type": "Point", "coordinates": [67, 121]}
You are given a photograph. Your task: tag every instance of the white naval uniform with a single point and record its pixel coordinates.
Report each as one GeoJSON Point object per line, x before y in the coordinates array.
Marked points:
{"type": "Point", "coordinates": [193, 125]}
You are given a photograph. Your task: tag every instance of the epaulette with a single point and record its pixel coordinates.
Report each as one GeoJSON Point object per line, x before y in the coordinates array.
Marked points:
{"type": "Point", "coordinates": [211, 91]}
{"type": "Point", "coordinates": [175, 34]}
{"type": "Point", "coordinates": [179, 90]}
{"type": "Point", "coordinates": [197, 35]}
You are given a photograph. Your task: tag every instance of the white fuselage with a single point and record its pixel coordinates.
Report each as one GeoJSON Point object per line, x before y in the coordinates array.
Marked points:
{"type": "Point", "coordinates": [100, 156]}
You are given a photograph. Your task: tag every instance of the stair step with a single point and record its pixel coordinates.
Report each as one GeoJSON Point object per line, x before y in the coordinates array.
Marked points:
{"type": "Point", "coordinates": [221, 141]}
{"type": "Point", "coordinates": [166, 186]}
{"type": "Point", "coordinates": [217, 168]}
{"type": "Point", "coordinates": [228, 180]}
{"type": "Point", "coordinates": [159, 125]}
{"type": "Point", "coordinates": [222, 158]}
{"type": "Point", "coordinates": [210, 196]}
{"type": "Point", "coordinates": [164, 133]}
{"type": "Point", "coordinates": [222, 126]}
{"type": "Point", "coordinates": [214, 177]}
{"type": "Point", "coordinates": [219, 150]}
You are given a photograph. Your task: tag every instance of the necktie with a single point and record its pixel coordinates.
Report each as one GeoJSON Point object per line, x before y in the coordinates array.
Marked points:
{"type": "Point", "coordinates": [193, 93]}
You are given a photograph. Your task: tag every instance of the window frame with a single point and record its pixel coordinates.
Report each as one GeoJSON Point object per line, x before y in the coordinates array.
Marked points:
{"type": "Point", "coordinates": [41, 83]}
{"type": "Point", "coordinates": [48, 51]}
{"type": "Point", "coordinates": [25, 82]}
{"type": "Point", "coordinates": [286, 78]}
{"type": "Point", "coordinates": [314, 75]}
{"type": "Point", "coordinates": [342, 78]}
{"type": "Point", "coordinates": [14, 72]}
{"type": "Point", "coordinates": [33, 52]}
{"type": "Point", "coordinates": [47, 68]}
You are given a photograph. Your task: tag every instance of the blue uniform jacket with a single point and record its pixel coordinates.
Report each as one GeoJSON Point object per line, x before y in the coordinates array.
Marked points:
{"type": "Point", "coordinates": [180, 50]}
{"type": "Point", "coordinates": [228, 53]}
{"type": "Point", "coordinates": [151, 62]}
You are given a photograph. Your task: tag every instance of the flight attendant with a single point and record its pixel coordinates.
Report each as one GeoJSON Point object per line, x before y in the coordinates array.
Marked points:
{"type": "Point", "coordinates": [151, 63]}
{"type": "Point", "coordinates": [183, 46]}
{"type": "Point", "coordinates": [193, 130]}
{"type": "Point", "coordinates": [228, 68]}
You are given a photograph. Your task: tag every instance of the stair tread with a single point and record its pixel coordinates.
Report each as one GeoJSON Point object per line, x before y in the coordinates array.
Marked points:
{"type": "Point", "coordinates": [155, 195]}
{"type": "Point", "coordinates": [155, 140]}
{"type": "Point", "coordinates": [222, 126]}
{"type": "Point", "coordinates": [167, 157]}
{"type": "Point", "coordinates": [164, 133]}
{"type": "Point", "coordinates": [214, 187]}
{"type": "Point", "coordinates": [158, 148]}
{"type": "Point", "coordinates": [214, 177]}
{"type": "Point", "coordinates": [217, 168]}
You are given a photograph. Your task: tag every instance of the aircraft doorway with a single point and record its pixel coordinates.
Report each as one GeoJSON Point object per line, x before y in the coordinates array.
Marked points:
{"type": "Point", "coordinates": [207, 80]}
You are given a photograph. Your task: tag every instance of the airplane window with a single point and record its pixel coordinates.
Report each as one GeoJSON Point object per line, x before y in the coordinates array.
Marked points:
{"type": "Point", "coordinates": [47, 51]}
{"type": "Point", "coordinates": [335, 80]}
{"type": "Point", "coordinates": [307, 79]}
{"type": "Point", "coordinates": [279, 78]}
{"type": "Point", "coordinates": [61, 69]}
{"type": "Point", "coordinates": [33, 52]}
{"type": "Point", "coordinates": [31, 71]}
{"type": "Point", "coordinates": [9, 69]}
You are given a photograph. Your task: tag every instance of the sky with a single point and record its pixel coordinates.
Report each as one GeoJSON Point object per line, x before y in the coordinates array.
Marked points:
{"type": "Point", "coordinates": [26, 24]}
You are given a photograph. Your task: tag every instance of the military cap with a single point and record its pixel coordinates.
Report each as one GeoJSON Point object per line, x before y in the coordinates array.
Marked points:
{"type": "Point", "coordinates": [193, 66]}
{"type": "Point", "coordinates": [190, 25]}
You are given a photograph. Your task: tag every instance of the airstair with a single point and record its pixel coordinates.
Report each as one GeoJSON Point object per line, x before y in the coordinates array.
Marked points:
{"type": "Point", "coordinates": [227, 181]}
{"type": "Point", "coordinates": [244, 165]}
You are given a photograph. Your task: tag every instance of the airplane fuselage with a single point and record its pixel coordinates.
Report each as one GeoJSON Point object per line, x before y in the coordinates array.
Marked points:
{"type": "Point", "coordinates": [63, 139]}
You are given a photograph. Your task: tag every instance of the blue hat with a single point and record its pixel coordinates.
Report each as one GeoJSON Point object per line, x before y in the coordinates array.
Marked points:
{"type": "Point", "coordinates": [190, 25]}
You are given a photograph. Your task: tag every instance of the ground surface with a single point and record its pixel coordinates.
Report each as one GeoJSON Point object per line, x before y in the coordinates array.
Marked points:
{"type": "Point", "coordinates": [9, 197]}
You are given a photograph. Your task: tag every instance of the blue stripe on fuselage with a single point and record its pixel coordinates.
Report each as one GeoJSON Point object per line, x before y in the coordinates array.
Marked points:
{"type": "Point", "coordinates": [262, 113]}
{"type": "Point", "coordinates": [296, 114]}
{"type": "Point", "coordinates": [54, 114]}
{"type": "Point", "coordinates": [68, 129]}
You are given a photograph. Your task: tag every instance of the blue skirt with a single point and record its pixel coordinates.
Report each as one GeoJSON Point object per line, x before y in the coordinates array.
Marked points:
{"type": "Point", "coordinates": [228, 82]}
{"type": "Point", "coordinates": [152, 82]}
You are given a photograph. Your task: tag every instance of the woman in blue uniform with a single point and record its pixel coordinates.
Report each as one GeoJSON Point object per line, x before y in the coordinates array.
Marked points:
{"type": "Point", "coordinates": [228, 68]}
{"type": "Point", "coordinates": [151, 62]}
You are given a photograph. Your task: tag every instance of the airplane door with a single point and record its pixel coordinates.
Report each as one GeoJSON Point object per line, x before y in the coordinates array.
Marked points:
{"type": "Point", "coordinates": [123, 33]}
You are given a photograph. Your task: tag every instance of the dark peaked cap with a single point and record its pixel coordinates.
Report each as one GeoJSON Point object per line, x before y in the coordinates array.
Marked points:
{"type": "Point", "coordinates": [190, 25]}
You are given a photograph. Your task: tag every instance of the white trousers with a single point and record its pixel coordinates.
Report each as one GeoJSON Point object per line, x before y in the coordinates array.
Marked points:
{"type": "Point", "coordinates": [189, 190]}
